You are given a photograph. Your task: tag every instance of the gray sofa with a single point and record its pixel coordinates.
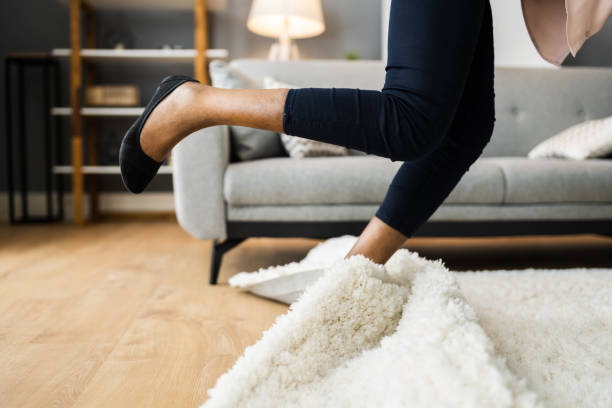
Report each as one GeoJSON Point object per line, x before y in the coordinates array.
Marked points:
{"type": "Point", "coordinates": [503, 193]}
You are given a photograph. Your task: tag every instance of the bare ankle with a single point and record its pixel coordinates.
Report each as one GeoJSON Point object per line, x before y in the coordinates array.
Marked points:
{"type": "Point", "coordinates": [197, 102]}
{"type": "Point", "coordinates": [378, 242]}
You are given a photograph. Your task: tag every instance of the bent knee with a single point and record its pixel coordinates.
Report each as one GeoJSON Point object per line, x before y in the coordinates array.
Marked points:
{"type": "Point", "coordinates": [414, 126]}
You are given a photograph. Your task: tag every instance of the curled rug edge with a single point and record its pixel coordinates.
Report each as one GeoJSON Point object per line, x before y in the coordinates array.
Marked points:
{"type": "Point", "coordinates": [364, 334]}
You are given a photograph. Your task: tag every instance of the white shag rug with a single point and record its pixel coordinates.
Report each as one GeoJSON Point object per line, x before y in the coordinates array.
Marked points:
{"type": "Point", "coordinates": [404, 335]}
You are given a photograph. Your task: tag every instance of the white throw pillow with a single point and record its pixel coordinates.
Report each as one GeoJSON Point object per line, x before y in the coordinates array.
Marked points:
{"type": "Point", "coordinates": [299, 147]}
{"type": "Point", "coordinates": [286, 283]}
{"type": "Point", "coordinates": [589, 139]}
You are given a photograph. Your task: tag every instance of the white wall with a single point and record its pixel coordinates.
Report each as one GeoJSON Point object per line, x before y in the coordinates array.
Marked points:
{"type": "Point", "coordinates": [513, 47]}
{"type": "Point", "coordinates": [386, 4]}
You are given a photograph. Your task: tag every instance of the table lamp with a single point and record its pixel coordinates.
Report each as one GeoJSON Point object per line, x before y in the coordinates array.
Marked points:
{"type": "Point", "coordinates": [286, 20]}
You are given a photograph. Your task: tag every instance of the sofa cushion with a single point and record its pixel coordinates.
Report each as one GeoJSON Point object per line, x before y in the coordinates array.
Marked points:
{"type": "Point", "coordinates": [556, 180]}
{"type": "Point", "coordinates": [532, 105]}
{"type": "Point", "coordinates": [342, 180]}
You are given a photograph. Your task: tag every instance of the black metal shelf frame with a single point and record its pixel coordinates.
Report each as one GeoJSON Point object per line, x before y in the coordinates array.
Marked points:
{"type": "Point", "coordinates": [50, 75]}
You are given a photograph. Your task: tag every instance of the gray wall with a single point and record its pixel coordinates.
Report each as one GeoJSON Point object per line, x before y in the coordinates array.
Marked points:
{"type": "Point", "coordinates": [597, 51]}
{"type": "Point", "coordinates": [39, 25]}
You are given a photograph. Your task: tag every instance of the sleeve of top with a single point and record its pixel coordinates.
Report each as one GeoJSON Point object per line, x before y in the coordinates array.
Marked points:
{"type": "Point", "coordinates": [560, 27]}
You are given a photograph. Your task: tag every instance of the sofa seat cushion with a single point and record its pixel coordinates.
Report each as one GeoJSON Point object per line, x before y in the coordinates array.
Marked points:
{"type": "Point", "coordinates": [530, 181]}
{"type": "Point", "coordinates": [342, 180]}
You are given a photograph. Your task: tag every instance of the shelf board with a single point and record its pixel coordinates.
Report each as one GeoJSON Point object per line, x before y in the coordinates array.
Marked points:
{"type": "Point", "coordinates": [211, 5]}
{"type": "Point", "coordinates": [100, 54]}
{"type": "Point", "coordinates": [103, 170]}
{"type": "Point", "coordinates": [100, 111]}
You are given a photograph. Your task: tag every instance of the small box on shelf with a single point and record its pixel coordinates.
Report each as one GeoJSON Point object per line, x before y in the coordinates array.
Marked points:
{"type": "Point", "coordinates": [112, 95]}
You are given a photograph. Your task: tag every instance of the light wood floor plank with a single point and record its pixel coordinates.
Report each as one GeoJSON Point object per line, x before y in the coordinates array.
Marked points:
{"type": "Point", "coordinates": [121, 314]}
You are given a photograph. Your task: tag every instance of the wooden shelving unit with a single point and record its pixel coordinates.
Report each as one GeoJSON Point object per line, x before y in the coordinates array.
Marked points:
{"type": "Point", "coordinates": [106, 111]}
{"type": "Point", "coordinates": [102, 170]}
{"type": "Point", "coordinates": [83, 60]}
{"type": "Point", "coordinates": [139, 55]}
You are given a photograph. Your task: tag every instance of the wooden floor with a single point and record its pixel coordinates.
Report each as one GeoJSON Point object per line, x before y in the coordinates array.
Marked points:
{"type": "Point", "coordinates": [121, 315]}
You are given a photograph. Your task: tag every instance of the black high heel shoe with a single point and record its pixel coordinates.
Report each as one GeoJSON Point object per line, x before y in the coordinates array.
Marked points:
{"type": "Point", "coordinates": [138, 169]}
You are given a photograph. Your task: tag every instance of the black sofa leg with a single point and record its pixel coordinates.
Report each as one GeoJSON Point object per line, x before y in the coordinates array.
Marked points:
{"type": "Point", "coordinates": [216, 255]}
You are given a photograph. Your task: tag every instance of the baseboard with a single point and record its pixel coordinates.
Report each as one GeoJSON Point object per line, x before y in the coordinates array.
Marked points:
{"type": "Point", "coordinates": [110, 202]}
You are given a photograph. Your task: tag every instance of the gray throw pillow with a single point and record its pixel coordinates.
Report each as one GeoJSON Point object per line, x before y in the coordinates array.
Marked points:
{"type": "Point", "coordinates": [247, 143]}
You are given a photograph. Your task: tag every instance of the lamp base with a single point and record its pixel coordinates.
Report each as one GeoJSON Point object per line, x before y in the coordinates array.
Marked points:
{"type": "Point", "coordinates": [284, 51]}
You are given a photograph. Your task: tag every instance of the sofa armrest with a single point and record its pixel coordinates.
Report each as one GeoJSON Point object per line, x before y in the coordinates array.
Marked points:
{"type": "Point", "coordinates": [198, 164]}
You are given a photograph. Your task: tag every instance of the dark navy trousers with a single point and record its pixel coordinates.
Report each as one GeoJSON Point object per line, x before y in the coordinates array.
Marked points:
{"type": "Point", "coordinates": [435, 113]}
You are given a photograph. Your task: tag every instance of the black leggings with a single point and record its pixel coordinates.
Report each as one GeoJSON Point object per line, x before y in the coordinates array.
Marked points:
{"type": "Point", "coordinates": [436, 111]}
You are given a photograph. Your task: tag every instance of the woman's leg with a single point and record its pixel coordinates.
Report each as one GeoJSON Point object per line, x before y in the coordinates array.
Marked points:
{"type": "Point", "coordinates": [421, 185]}
{"type": "Point", "coordinates": [431, 48]}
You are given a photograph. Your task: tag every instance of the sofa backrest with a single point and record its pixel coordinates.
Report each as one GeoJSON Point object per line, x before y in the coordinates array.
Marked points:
{"type": "Point", "coordinates": [531, 104]}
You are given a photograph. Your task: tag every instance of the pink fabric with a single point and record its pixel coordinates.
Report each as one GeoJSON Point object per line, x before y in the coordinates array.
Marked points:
{"type": "Point", "coordinates": [558, 27]}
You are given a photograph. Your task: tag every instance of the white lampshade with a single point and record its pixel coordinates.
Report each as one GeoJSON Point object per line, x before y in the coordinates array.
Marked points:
{"type": "Point", "coordinates": [294, 18]}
